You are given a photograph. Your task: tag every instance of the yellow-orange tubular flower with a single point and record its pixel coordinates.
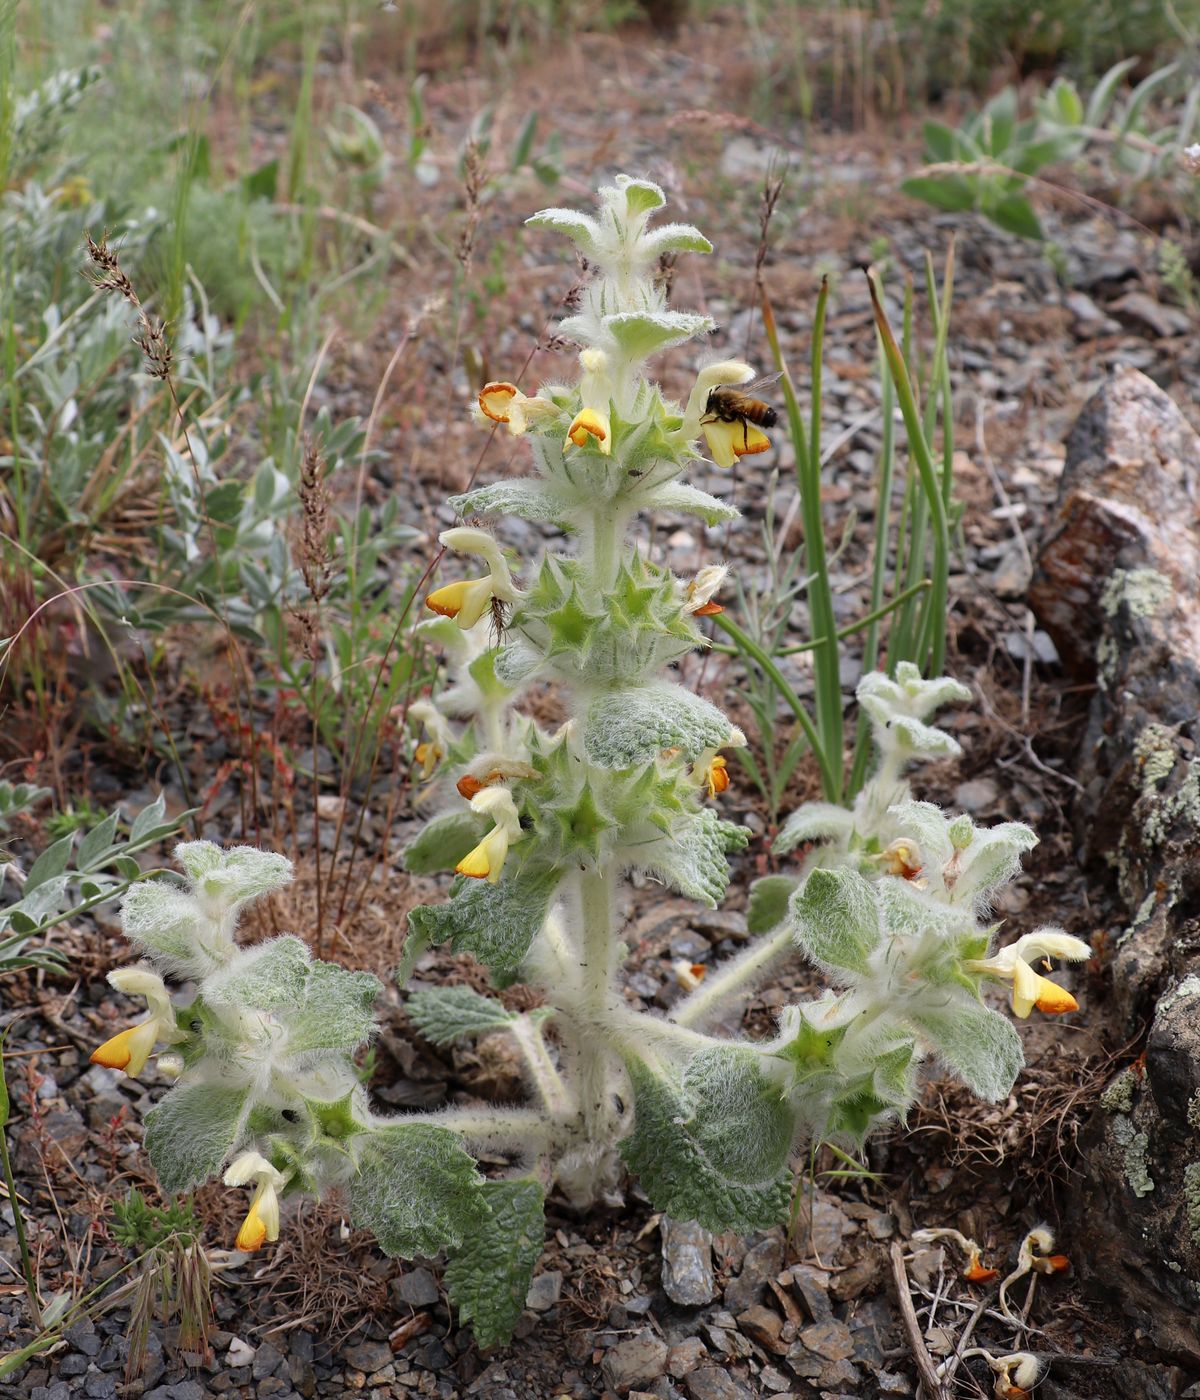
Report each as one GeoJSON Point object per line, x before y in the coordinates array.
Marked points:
{"type": "Point", "coordinates": [1029, 988]}
{"type": "Point", "coordinates": [486, 860]}
{"type": "Point", "coordinates": [133, 1047]}
{"type": "Point", "coordinates": [505, 403]}
{"type": "Point", "coordinates": [595, 390]}
{"type": "Point", "coordinates": [262, 1219]}
{"type": "Point", "coordinates": [467, 600]}
{"type": "Point", "coordinates": [726, 441]}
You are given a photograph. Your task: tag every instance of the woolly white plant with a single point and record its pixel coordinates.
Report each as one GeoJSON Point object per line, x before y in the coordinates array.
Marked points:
{"type": "Point", "coordinates": [540, 829]}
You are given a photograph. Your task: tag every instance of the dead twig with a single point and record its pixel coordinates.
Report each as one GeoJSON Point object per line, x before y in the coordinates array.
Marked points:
{"type": "Point", "coordinates": [930, 1385]}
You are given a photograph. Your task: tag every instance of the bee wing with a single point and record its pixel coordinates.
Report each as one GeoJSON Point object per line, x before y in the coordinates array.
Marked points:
{"type": "Point", "coordinates": [756, 386]}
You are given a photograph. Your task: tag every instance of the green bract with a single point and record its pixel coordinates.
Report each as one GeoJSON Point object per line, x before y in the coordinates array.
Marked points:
{"type": "Point", "coordinates": [540, 827]}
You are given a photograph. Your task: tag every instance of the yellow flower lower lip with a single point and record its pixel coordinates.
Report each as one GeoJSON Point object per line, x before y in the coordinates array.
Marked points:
{"type": "Point", "coordinates": [729, 441]}
{"type": "Point", "coordinates": [590, 423]}
{"type": "Point", "coordinates": [495, 398]}
{"type": "Point", "coordinates": [253, 1233]}
{"type": "Point", "coordinates": [465, 600]}
{"type": "Point", "coordinates": [129, 1050]}
{"type": "Point", "coordinates": [486, 861]}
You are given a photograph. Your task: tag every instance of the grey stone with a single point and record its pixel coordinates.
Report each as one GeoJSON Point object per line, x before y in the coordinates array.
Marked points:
{"type": "Point", "coordinates": [635, 1362]}
{"type": "Point", "coordinates": [267, 1361]}
{"type": "Point", "coordinates": [687, 1270]}
{"type": "Point", "coordinates": [1118, 587]}
{"type": "Point", "coordinates": [545, 1290]}
{"type": "Point", "coordinates": [418, 1288]}
{"type": "Point", "coordinates": [764, 1261]}
{"type": "Point", "coordinates": [100, 1387]}
{"type": "Point", "coordinates": [367, 1357]}
{"type": "Point", "coordinates": [73, 1365]}
{"type": "Point", "coordinates": [187, 1390]}
{"type": "Point", "coordinates": [709, 1383]}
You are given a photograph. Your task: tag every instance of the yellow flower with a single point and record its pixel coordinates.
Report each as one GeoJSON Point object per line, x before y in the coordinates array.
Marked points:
{"type": "Point", "coordinates": [717, 777]}
{"type": "Point", "coordinates": [903, 858]}
{"type": "Point", "coordinates": [590, 422]}
{"type": "Point", "coordinates": [130, 1049]}
{"type": "Point", "coordinates": [430, 752]}
{"type": "Point", "coordinates": [468, 599]}
{"type": "Point", "coordinates": [726, 441]}
{"type": "Point", "coordinates": [729, 441]}
{"type": "Point", "coordinates": [1030, 988]}
{"type": "Point", "coordinates": [262, 1219]}
{"type": "Point", "coordinates": [595, 393]}
{"type": "Point", "coordinates": [505, 403]}
{"type": "Point", "coordinates": [486, 860]}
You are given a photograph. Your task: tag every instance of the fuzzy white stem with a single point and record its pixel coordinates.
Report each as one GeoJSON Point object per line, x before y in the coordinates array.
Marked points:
{"type": "Point", "coordinates": [543, 1072]}
{"type": "Point", "coordinates": [529, 1129]}
{"type": "Point", "coordinates": [596, 988]}
{"type": "Point", "coordinates": [733, 979]}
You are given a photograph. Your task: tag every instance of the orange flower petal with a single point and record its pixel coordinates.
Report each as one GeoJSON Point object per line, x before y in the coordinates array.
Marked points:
{"type": "Point", "coordinates": [1053, 999]}
{"type": "Point", "coordinates": [978, 1274]}
{"type": "Point", "coordinates": [468, 786]}
{"type": "Point", "coordinates": [707, 610]}
{"type": "Point", "coordinates": [588, 423]}
{"type": "Point", "coordinates": [253, 1233]}
{"type": "Point", "coordinates": [115, 1053]}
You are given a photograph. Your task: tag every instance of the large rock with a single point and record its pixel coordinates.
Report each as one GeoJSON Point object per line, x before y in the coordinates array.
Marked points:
{"type": "Point", "coordinates": [1118, 588]}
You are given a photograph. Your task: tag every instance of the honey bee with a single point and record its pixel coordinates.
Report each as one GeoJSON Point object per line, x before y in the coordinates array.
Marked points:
{"type": "Point", "coordinates": [731, 403]}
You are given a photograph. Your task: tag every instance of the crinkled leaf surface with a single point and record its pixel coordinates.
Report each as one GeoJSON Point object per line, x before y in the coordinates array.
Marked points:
{"type": "Point", "coordinates": [692, 858]}
{"type": "Point", "coordinates": [488, 1277]}
{"type": "Point", "coordinates": [625, 727]}
{"type": "Point", "coordinates": [713, 1148]}
{"type": "Point", "coordinates": [495, 922]}
{"type": "Point", "coordinates": [417, 1190]}
{"type": "Point", "coordinates": [192, 1130]}
{"type": "Point", "coordinates": [445, 1014]}
{"type": "Point", "coordinates": [815, 821]}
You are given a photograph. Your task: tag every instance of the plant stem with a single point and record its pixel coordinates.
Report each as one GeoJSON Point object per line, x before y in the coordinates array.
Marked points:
{"type": "Point", "coordinates": [542, 1069]}
{"type": "Point", "coordinates": [733, 977]}
{"type": "Point", "coordinates": [35, 1306]}
{"type": "Point", "coordinates": [596, 981]}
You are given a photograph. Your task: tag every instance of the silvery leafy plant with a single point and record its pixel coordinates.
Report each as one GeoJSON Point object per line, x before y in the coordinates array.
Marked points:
{"type": "Point", "coordinates": [540, 828]}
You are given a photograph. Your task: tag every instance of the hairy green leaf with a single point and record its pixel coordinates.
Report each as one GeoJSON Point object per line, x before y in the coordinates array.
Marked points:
{"type": "Point", "coordinates": [626, 727]}
{"type": "Point", "coordinates": [713, 1148]}
{"type": "Point", "coordinates": [836, 915]}
{"type": "Point", "coordinates": [497, 923]}
{"type": "Point", "coordinates": [417, 1190]}
{"type": "Point", "coordinates": [692, 858]}
{"type": "Point", "coordinates": [443, 843]}
{"type": "Point", "coordinates": [192, 1130]}
{"type": "Point", "coordinates": [445, 1014]}
{"type": "Point", "coordinates": [769, 902]}
{"type": "Point", "coordinates": [488, 1277]}
{"type": "Point", "coordinates": [975, 1043]}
